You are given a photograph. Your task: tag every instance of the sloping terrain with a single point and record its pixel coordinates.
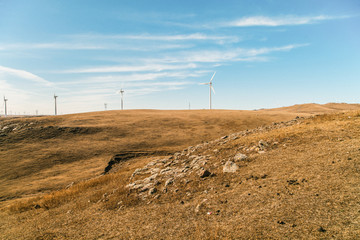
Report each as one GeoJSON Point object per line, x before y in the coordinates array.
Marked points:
{"type": "Point", "coordinates": [42, 154]}
{"type": "Point", "coordinates": [298, 179]}
{"type": "Point", "coordinates": [313, 108]}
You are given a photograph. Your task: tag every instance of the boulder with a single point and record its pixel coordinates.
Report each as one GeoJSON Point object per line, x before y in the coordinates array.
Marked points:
{"type": "Point", "coordinates": [230, 167]}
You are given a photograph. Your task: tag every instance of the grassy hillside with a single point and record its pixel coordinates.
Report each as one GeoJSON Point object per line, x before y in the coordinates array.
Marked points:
{"type": "Point", "coordinates": [299, 179]}
{"type": "Point", "coordinates": [41, 154]}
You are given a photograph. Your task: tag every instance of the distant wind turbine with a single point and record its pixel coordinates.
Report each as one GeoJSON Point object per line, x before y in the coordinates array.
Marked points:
{"type": "Point", "coordinates": [5, 100]}
{"type": "Point", "coordinates": [210, 88]}
{"type": "Point", "coordinates": [55, 104]}
{"type": "Point", "coordinates": [122, 98]}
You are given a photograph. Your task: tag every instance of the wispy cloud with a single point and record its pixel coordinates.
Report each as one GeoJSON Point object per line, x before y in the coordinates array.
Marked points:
{"type": "Point", "coordinates": [278, 21]}
{"type": "Point", "coordinates": [139, 68]}
{"type": "Point", "coordinates": [181, 65]}
{"type": "Point", "coordinates": [96, 46]}
{"type": "Point", "coordinates": [136, 80]}
{"type": "Point", "coordinates": [53, 45]}
{"type": "Point", "coordinates": [152, 37]}
{"type": "Point", "coordinates": [236, 54]}
{"type": "Point", "coordinates": [144, 42]}
{"type": "Point", "coordinates": [24, 75]}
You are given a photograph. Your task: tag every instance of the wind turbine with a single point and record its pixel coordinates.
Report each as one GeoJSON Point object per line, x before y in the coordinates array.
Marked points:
{"type": "Point", "coordinates": [55, 104]}
{"type": "Point", "coordinates": [5, 100]}
{"type": "Point", "coordinates": [122, 98]}
{"type": "Point", "coordinates": [210, 88]}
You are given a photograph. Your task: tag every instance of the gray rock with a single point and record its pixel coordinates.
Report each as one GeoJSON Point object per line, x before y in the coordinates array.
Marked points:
{"type": "Point", "coordinates": [139, 171]}
{"type": "Point", "coordinates": [147, 187]}
{"type": "Point", "coordinates": [150, 179]}
{"type": "Point", "coordinates": [230, 167]}
{"type": "Point", "coordinates": [152, 163]}
{"type": "Point", "coordinates": [185, 169]}
{"type": "Point", "coordinates": [168, 164]}
{"type": "Point", "coordinates": [169, 181]}
{"type": "Point", "coordinates": [166, 170]}
{"type": "Point", "coordinates": [134, 186]}
{"type": "Point", "coordinates": [154, 170]}
{"type": "Point", "coordinates": [240, 157]}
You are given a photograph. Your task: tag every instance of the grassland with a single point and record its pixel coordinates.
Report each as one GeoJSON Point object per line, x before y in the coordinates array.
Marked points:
{"type": "Point", "coordinates": [304, 185]}
{"type": "Point", "coordinates": [47, 153]}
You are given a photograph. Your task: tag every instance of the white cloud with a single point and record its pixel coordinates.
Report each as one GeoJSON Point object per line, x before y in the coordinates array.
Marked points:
{"type": "Point", "coordinates": [121, 42]}
{"type": "Point", "coordinates": [139, 68]}
{"type": "Point", "coordinates": [24, 75]}
{"type": "Point", "coordinates": [278, 21]}
{"type": "Point", "coordinates": [236, 54]}
{"type": "Point", "coordinates": [150, 37]}
{"type": "Point", "coordinates": [112, 82]}
{"type": "Point", "coordinates": [91, 46]}
{"type": "Point", "coordinates": [53, 45]}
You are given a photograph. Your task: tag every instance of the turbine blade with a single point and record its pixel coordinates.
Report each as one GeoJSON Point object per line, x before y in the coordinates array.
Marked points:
{"type": "Point", "coordinates": [212, 77]}
{"type": "Point", "coordinates": [204, 83]}
{"type": "Point", "coordinates": [213, 89]}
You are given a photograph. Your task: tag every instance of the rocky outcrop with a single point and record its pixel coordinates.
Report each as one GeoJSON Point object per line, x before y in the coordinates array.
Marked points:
{"type": "Point", "coordinates": [162, 175]}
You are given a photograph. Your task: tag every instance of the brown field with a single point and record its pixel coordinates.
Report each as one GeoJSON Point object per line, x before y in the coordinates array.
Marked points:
{"type": "Point", "coordinates": [303, 183]}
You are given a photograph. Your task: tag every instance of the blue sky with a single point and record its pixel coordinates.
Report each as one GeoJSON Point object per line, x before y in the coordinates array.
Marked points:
{"type": "Point", "coordinates": [265, 53]}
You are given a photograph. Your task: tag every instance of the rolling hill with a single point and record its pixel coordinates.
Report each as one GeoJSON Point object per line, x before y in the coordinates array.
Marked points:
{"type": "Point", "coordinates": [297, 176]}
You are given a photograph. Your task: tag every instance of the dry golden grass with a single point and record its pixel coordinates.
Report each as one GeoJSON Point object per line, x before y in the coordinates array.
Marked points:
{"type": "Point", "coordinates": [307, 180]}
{"type": "Point", "coordinates": [53, 151]}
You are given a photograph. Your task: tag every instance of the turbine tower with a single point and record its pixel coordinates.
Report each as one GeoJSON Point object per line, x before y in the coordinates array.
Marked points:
{"type": "Point", "coordinates": [210, 88]}
{"type": "Point", "coordinates": [5, 100]}
{"type": "Point", "coordinates": [105, 105]}
{"type": "Point", "coordinates": [122, 98]}
{"type": "Point", "coordinates": [55, 104]}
